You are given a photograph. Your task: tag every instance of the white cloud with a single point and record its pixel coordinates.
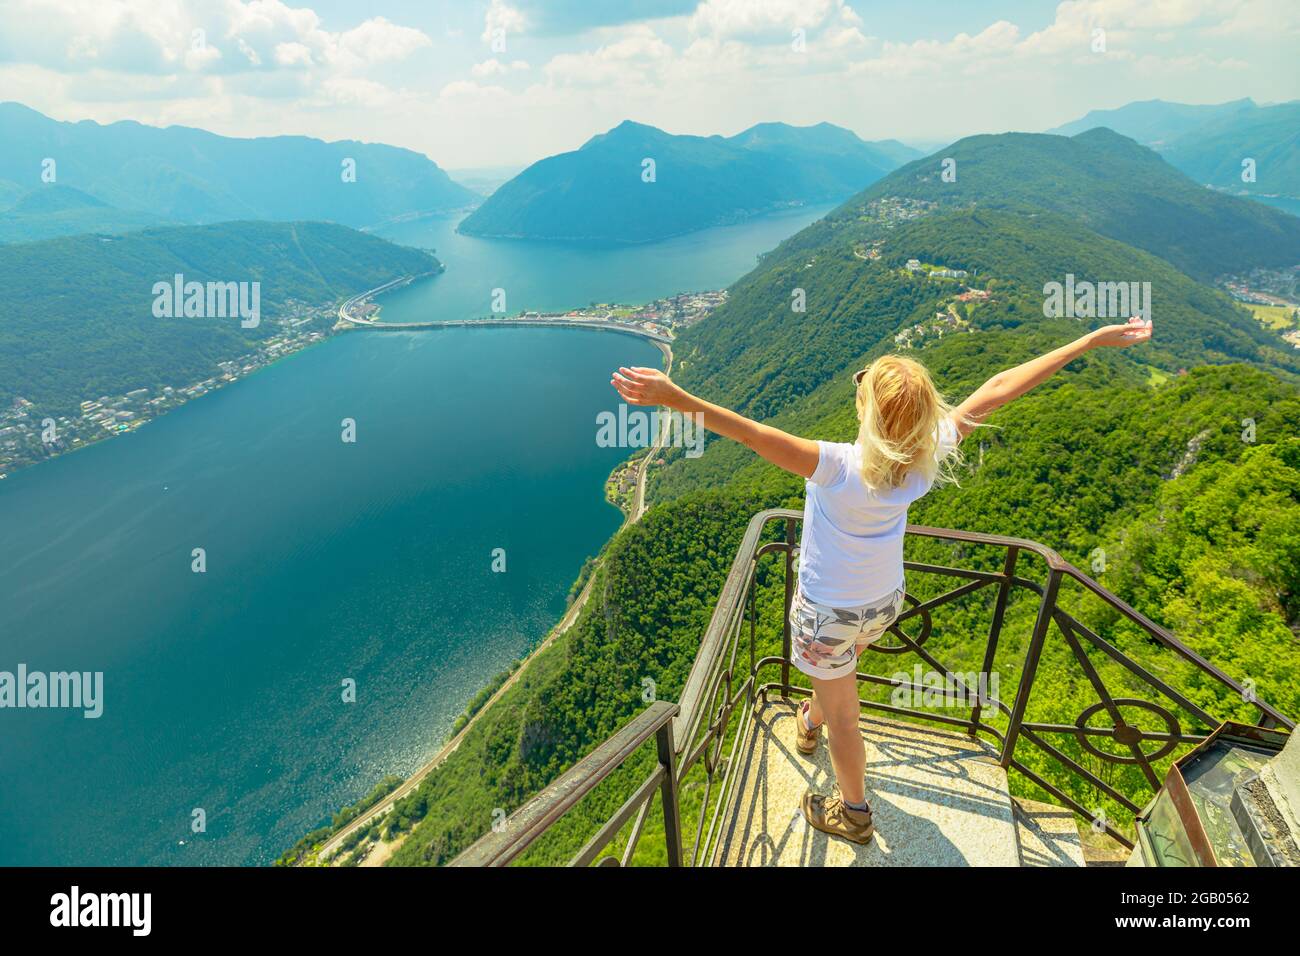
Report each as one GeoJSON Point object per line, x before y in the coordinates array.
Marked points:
{"type": "Point", "coordinates": [501, 21]}
{"type": "Point", "coordinates": [770, 19]}
{"type": "Point", "coordinates": [357, 91]}
{"type": "Point", "coordinates": [292, 54]}
{"type": "Point", "coordinates": [84, 34]}
{"type": "Point", "coordinates": [638, 57]}
{"type": "Point", "coordinates": [1125, 23]}
{"type": "Point", "coordinates": [250, 54]}
{"type": "Point", "coordinates": [468, 89]}
{"type": "Point", "coordinates": [266, 67]}
{"type": "Point", "coordinates": [164, 36]}
{"type": "Point", "coordinates": [378, 41]}
{"type": "Point", "coordinates": [961, 53]}
{"type": "Point", "coordinates": [1133, 31]}
{"type": "Point", "coordinates": [1277, 18]}
{"type": "Point", "coordinates": [1164, 66]}
{"type": "Point", "coordinates": [200, 57]}
{"type": "Point", "coordinates": [494, 67]}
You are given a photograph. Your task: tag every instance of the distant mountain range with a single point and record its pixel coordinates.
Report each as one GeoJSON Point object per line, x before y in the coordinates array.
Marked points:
{"type": "Point", "coordinates": [1209, 143]}
{"type": "Point", "coordinates": [1155, 123]}
{"type": "Point", "coordinates": [126, 174]}
{"type": "Point", "coordinates": [607, 191]}
{"type": "Point", "coordinates": [1111, 184]}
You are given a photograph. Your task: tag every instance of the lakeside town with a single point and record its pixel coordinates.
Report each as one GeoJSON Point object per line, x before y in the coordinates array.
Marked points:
{"type": "Point", "coordinates": [666, 316]}
{"type": "Point", "coordinates": [956, 314]}
{"type": "Point", "coordinates": [1273, 295]}
{"type": "Point", "coordinates": [27, 436]}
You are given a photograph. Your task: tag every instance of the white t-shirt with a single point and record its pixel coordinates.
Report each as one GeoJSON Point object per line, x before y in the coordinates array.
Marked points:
{"type": "Point", "coordinates": [851, 552]}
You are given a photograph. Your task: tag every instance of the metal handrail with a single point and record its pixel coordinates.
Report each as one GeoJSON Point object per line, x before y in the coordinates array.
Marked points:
{"type": "Point", "coordinates": [695, 734]}
{"type": "Point", "coordinates": [505, 843]}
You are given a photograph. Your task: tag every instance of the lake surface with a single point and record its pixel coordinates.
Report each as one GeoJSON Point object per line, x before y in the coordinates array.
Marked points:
{"type": "Point", "coordinates": [552, 277]}
{"type": "Point", "coordinates": [327, 561]}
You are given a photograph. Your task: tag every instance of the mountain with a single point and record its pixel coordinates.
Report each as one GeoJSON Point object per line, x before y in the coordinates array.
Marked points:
{"type": "Point", "coordinates": [49, 211]}
{"type": "Point", "coordinates": [1025, 210]}
{"type": "Point", "coordinates": [760, 361]}
{"type": "Point", "coordinates": [77, 318]}
{"type": "Point", "coordinates": [192, 176]}
{"type": "Point", "coordinates": [1111, 185]}
{"type": "Point", "coordinates": [1155, 123]}
{"type": "Point", "coordinates": [1270, 135]}
{"type": "Point", "coordinates": [1209, 143]}
{"type": "Point", "coordinates": [597, 193]}
{"type": "Point", "coordinates": [825, 140]}
{"type": "Point", "coordinates": [54, 199]}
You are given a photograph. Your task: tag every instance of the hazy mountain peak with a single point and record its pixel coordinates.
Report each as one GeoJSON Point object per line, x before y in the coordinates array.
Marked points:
{"type": "Point", "coordinates": [1210, 142]}
{"type": "Point", "coordinates": [52, 197]}
{"type": "Point", "coordinates": [1105, 136]}
{"type": "Point", "coordinates": [776, 133]}
{"type": "Point", "coordinates": [626, 131]}
{"type": "Point", "coordinates": [600, 191]}
{"type": "Point", "coordinates": [1153, 122]}
{"type": "Point", "coordinates": [183, 174]}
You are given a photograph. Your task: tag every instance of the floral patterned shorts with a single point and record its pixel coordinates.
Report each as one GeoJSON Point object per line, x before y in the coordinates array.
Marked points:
{"type": "Point", "coordinates": [825, 641]}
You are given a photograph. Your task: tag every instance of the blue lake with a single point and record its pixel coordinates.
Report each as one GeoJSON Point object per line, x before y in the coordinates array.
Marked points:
{"type": "Point", "coordinates": [327, 561]}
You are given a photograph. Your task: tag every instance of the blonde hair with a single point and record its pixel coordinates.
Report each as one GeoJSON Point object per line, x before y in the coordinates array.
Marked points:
{"type": "Point", "coordinates": [900, 412]}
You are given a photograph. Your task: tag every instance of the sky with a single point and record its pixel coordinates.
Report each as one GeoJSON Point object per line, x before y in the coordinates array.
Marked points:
{"type": "Point", "coordinates": [502, 83]}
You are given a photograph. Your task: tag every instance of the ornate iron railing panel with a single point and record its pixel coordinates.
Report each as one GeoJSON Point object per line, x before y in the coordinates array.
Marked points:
{"type": "Point", "coordinates": [728, 677]}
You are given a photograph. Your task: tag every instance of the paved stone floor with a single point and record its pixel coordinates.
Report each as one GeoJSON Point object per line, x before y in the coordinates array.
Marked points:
{"type": "Point", "coordinates": [938, 799]}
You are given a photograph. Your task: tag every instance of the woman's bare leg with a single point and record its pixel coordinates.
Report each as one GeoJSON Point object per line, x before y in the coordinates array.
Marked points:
{"type": "Point", "coordinates": [815, 715]}
{"type": "Point", "coordinates": [836, 702]}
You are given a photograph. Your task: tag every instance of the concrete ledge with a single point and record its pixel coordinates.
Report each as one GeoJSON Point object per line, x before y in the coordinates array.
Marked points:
{"type": "Point", "coordinates": [1048, 835]}
{"type": "Point", "coordinates": [938, 798]}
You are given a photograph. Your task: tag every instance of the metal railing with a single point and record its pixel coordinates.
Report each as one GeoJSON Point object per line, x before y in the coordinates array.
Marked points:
{"type": "Point", "coordinates": [503, 845]}
{"type": "Point", "coordinates": [692, 737]}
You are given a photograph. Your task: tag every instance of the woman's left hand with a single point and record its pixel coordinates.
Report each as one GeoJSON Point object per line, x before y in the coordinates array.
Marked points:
{"type": "Point", "coordinates": [646, 386]}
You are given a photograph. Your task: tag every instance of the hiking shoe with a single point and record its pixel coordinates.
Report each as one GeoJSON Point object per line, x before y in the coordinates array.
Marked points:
{"type": "Point", "coordinates": [805, 741]}
{"type": "Point", "coordinates": [831, 815]}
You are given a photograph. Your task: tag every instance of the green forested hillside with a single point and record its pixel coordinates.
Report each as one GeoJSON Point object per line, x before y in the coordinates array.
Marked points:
{"type": "Point", "coordinates": [76, 313]}
{"type": "Point", "coordinates": [597, 192]}
{"type": "Point", "coordinates": [756, 353]}
{"type": "Point", "coordinates": [1111, 185]}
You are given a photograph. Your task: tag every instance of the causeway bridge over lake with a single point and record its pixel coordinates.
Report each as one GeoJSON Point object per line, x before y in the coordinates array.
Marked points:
{"type": "Point", "coordinates": [609, 325]}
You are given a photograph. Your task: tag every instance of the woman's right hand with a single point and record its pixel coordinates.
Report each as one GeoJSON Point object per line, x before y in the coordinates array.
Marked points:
{"type": "Point", "coordinates": [1132, 332]}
